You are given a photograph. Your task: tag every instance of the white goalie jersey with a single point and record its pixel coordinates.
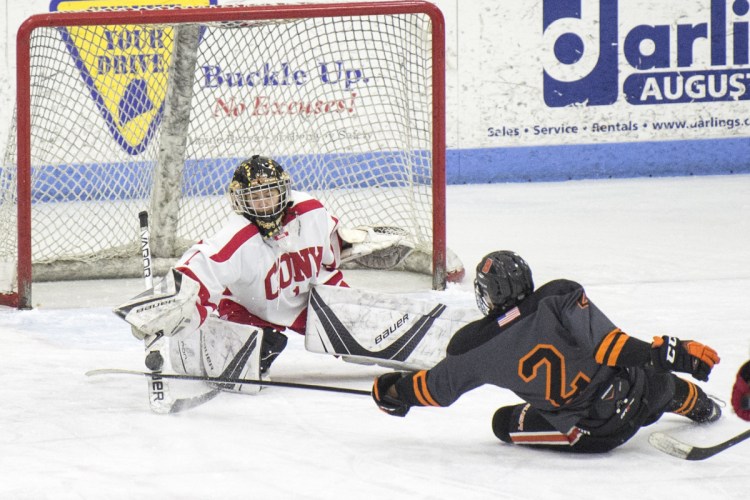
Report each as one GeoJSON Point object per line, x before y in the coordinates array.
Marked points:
{"type": "Point", "coordinates": [266, 282]}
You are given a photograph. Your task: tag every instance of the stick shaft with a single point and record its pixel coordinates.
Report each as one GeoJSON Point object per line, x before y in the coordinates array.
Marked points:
{"type": "Point", "coordinates": [230, 380]}
{"type": "Point", "coordinates": [148, 274]}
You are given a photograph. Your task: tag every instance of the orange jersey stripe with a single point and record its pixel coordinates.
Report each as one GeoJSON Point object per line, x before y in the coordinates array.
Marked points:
{"type": "Point", "coordinates": [604, 346]}
{"type": "Point", "coordinates": [420, 389]}
{"type": "Point", "coordinates": [617, 349]}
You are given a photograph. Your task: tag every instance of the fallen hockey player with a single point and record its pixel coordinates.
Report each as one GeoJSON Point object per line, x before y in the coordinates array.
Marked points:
{"type": "Point", "coordinates": [587, 385]}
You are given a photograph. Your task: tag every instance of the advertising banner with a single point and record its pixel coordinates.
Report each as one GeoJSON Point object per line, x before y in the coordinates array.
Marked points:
{"type": "Point", "coordinates": [624, 87]}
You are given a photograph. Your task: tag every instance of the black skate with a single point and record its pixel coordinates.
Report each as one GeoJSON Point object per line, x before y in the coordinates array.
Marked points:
{"type": "Point", "coordinates": [690, 401]}
{"type": "Point", "coordinates": [273, 343]}
{"type": "Point", "coordinates": [706, 410]}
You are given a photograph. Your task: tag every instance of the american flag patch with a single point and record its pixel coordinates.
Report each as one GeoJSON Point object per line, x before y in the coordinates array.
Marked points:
{"type": "Point", "coordinates": [508, 317]}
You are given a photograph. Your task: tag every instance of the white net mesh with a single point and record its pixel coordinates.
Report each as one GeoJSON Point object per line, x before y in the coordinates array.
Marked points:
{"type": "Point", "coordinates": [343, 103]}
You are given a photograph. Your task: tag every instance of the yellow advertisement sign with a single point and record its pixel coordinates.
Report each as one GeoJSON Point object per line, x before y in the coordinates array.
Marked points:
{"type": "Point", "coordinates": [124, 66]}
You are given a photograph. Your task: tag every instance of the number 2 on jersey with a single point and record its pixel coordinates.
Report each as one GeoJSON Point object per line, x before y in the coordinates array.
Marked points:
{"type": "Point", "coordinates": [547, 355]}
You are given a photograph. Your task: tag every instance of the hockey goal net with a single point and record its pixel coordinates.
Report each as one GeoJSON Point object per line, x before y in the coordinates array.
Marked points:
{"type": "Point", "coordinates": [121, 111]}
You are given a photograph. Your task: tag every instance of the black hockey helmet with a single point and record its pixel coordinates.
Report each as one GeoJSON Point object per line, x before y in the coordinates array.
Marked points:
{"type": "Point", "coordinates": [503, 280]}
{"type": "Point", "coordinates": [259, 190]}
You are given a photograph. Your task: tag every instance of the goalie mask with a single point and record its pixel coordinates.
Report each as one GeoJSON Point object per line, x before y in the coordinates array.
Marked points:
{"type": "Point", "coordinates": [260, 191]}
{"type": "Point", "coordinates": [503, 280]}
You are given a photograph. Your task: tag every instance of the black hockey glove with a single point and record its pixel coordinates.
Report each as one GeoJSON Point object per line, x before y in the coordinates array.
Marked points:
{"type": "Point", "coordinates": [686, 356]}
{"type": "Point", "coordinates": [386, 401]}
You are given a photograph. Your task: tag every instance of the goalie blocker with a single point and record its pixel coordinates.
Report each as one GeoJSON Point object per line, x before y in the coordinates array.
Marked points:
{"type": "Point", "coordinates": [375, 328]}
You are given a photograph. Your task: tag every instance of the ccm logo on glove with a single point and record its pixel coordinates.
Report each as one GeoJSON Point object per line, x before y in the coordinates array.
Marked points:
{"type": "Point", "coordinates": [672, 343]}
{"type": "Point", "coordinates": [686, 356]}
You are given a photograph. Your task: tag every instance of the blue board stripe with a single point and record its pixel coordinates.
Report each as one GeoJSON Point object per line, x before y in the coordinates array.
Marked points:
{"type": "Point", "coordinates": [132, 179]}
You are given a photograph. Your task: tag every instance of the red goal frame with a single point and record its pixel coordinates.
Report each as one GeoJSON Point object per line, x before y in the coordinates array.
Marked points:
{"type": "Point", "coordinates": [21, 298]}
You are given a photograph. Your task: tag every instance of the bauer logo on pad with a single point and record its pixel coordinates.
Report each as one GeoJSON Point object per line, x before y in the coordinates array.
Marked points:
{"type": "Point", "coordinates": [386, 329]}
{"type": "Point", "coordinates": [344, 342]}
{"type": "Point", "coordinates": [124, 67]}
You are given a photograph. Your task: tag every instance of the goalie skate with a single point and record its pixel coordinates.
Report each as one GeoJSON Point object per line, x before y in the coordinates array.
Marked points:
{"type": "Point", "coordinates": [375, 328]}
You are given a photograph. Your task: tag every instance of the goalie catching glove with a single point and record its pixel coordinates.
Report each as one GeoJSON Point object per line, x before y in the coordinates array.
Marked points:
{"type": "Point", "coordinates": [166, 309]}
{"type": "Point", "coordinates": [390, 247]}
{"type": "Point", "coordinates": [379, 247]}
{"type": "Point", "coordinates": [685, 356]}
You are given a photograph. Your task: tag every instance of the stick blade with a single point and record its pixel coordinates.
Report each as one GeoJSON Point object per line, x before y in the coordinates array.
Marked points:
{"type": "Point", "coordinates": [162, 406]}
{"type": "Point", "coordinates": [183, 404]}
{"type": "Point", "coordinates": [669, 445]}
{"type": "Point", "coordinates": [677, 448]}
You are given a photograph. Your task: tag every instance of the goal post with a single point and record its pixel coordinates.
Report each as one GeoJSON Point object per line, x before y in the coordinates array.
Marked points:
{"type": "Point", "coordinates": [125, 110]}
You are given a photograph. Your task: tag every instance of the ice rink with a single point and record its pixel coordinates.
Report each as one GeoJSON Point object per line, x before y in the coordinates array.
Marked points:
{"type": "Point", "coordinates": [657, 256]}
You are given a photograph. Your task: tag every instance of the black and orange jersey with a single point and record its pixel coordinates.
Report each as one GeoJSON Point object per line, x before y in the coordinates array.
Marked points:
{"type": "Point", "coordinates": [556, 350]}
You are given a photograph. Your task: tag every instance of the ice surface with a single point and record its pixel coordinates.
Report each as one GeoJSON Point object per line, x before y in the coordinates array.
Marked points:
{"type": "Point", "coordinates": [657, 255]}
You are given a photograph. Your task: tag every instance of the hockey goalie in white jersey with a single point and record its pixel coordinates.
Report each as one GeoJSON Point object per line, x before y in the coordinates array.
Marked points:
{"type": "Point", "coordinates": [227, 301]}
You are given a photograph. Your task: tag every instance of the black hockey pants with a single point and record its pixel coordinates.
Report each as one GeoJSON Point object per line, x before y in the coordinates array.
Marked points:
{"type": "Point", "coordinates": [642, 398]}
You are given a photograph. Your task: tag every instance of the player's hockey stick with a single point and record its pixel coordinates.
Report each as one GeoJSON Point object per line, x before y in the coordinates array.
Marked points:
{"type": "Point", "coordinates": [676, 448]}
{"type": "Point", "coordinates": [159, 396]}
{"type": "Point", "coordinates": [228, 380]}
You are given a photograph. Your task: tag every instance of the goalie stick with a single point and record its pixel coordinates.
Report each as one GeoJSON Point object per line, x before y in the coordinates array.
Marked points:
{"type": "Point", "coordinates": [159, 396]}
{"type": "Point", "coordinates": [676, 448]}
{"type": "Point", "coordinates": [226, 380]}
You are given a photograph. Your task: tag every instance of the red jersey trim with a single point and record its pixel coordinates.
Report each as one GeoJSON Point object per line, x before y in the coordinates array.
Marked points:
{"type": "Point", "coordinates": [301, 209]}
{"type": "Point", "coordinates": [547, 437]}
{"type": "Point", "coordinates": [336, 279]}
{"type": "Point", "coordinates": [236, 242]}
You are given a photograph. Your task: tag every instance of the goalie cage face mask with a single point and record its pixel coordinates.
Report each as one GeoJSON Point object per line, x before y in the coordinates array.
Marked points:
{"type": "Point", "coordinates": [503, 280]}
{"type": "Point", "coordinates": [259, 190]}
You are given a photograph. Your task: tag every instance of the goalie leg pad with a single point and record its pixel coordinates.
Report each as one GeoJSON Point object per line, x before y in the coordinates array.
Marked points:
{"type": "Point", "coordinates": [220, 349]}
{"type": "Point", "coordinates": [185, 354]}
{"type": "Point", "coordinates": [232, 350]}
{"type": "Point", "coordinates": [389, 330]}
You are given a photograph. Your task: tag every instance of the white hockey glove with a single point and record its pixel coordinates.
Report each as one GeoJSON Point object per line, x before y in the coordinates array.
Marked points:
{"type": "Point", "coordinates": [389, 243]}
{"type": "Point", "coordinates": [167, 308]}
{"type": "Point", "coordinates": [388, 247]}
